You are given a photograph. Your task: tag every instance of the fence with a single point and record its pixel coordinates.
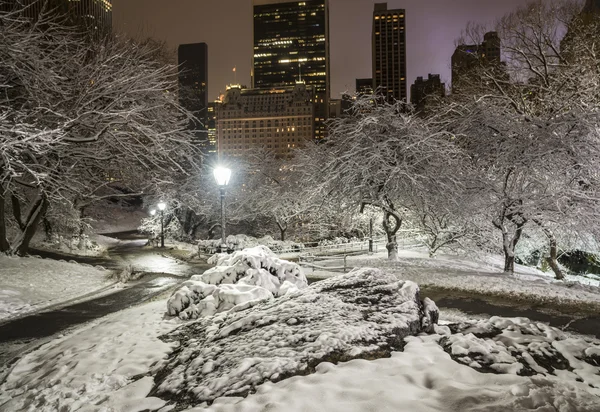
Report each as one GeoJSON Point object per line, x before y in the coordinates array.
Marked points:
{"type": "Point", "coordinates": [309, 261]}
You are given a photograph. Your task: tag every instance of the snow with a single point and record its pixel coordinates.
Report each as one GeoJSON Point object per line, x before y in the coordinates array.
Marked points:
{"type": "Point", "coordinates": [364, 312]}
{"type": "Point", "coordinates": [29, 284]}
{"type": "Point", "coordinates": [483, 275]}
{"type": "Point", "coordinates": [239, 242]}
{"type": "Point", "coordinates": [422, 378]}
{"type": "Point", "coordinates": [94, 368]}
{"type": "Point", "coordinates": [244, 278]}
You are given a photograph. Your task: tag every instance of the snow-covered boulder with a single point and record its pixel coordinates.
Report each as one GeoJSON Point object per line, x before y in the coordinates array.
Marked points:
{"type": "Point", "coordinates": [520, 346]}
{"type": "Point", "coordinates": [243, 278]}
{"type": "Point", "coordinates": [363, 314]}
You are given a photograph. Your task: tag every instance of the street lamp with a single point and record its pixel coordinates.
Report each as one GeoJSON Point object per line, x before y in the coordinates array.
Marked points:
{"type": "Point", "coordinates": [161, 207]}
{"type": "Point", "coordinates": [222, 175]}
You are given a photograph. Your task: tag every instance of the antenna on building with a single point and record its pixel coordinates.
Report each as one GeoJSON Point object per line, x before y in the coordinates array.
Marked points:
{"type": "Point", "coordinates": [234, 76]}
{"type": "Point", "coordinates": [300, 72]}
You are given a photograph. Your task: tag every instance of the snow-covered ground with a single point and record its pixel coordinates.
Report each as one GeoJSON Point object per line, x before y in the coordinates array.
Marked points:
{"type": "Point", "coordinates": [96, 364]}
{"type": "Point", "coordinates": [105, 366]}
{"type": "Point", "coordinates": [482, 275]}
{"type": "Point", "coordinates": [28, 283]}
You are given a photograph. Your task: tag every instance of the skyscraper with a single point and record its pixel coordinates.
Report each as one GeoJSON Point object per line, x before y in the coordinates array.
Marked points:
{"type": "Point", "coordinates": [389, 52]}
{"type": "Point", "coordinates": [364, 86]}
{"type": "Point", "coordinates": [466, 57]}
{"type": "Point", "coordinates": [95, 15]}
{"type": "Point", "coordinates": [421, 89]}
{"type": "Point", "coordinates": [291, 44]}
{"type": "Point", "coordinates": [193, 87]}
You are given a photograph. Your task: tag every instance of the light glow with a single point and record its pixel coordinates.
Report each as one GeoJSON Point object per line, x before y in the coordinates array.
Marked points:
{"type": "Point", "coordinates": [222, 175]}
{"type": "Point", "coordinates": [161, 206]}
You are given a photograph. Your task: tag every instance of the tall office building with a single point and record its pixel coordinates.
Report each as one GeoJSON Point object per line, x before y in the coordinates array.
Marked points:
{"type": "Point", "coordinates": [389, 52]}
{"type": "Point", "coordinates": [291, 44]}
{"type": "Point", "coordinates": [193, 87]}
{"type": "Point", "coordinates": [364, 86]}
{"type": "Point", "coordinates": [95, 15]}
{"type": "Point", "coordinates": [466, 57]}
{"type": "Point", "coordinates": [421, 89]}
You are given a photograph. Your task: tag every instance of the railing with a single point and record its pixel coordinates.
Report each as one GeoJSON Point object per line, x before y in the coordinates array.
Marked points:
{"type": "Point", "coordinates": [309, 261]}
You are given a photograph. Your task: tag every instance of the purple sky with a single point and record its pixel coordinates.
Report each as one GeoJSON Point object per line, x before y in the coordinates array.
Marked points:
{"type": "Point", "coordinates": [226, 26]}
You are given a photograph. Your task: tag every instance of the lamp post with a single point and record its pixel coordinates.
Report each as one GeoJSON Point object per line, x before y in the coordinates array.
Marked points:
{"type": "Point", "coordinates": [161, 207]}
{"type": "Point", "coordinates": [222, 175]}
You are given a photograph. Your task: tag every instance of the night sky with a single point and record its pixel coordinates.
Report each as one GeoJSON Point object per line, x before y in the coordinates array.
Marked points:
{"type": "Point", "coordinates": [226, 26]}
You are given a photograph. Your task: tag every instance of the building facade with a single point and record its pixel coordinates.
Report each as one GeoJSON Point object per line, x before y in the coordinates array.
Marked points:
{"type": "Point", "coordinates": [421, 89]}
{"type": "Point", "coordinates": [291, 44]}
{"type": "Point", "coordinates": [389, 52]}
{"type": "Point", "coordinates": [364, 86]}
{"type": "Point", "coordinates": [466, 57]}
{"type": "Point", "coordinates": [96, 15]}
{"type": "Point", "coordinates": [193, 87]}
{"type": "Point", "coordinates": [274, 119]}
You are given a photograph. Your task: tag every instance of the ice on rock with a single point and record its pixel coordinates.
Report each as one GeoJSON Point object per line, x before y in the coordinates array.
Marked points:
{"type": "Point", "coordinates": [364, 313]}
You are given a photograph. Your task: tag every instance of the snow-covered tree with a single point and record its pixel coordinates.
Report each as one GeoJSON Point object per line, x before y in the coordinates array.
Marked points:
{"type": "Point", "coordinates": [377, 155]}
{"type": "Point", "coordinates": [529, 130]}
{"type": "Point", "coordinates": [82, 121]}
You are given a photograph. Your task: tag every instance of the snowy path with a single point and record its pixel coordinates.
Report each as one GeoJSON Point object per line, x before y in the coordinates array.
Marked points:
{"type": "Point", "coordinates": [27, 332]}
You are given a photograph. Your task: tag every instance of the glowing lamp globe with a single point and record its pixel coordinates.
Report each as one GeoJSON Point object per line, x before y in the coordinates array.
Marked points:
{"type": "Point", "coordinates": [222, 175]}
{"type": "Point", "coordinates": [162, 206]}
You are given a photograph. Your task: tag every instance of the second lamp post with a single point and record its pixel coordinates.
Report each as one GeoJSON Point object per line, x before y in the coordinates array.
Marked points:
{"type": "Point", "coordinates": [222, 176]}
{"type": "Point", "coordinates": [161, 207]}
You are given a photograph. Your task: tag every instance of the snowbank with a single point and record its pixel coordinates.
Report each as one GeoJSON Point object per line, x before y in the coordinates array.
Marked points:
{"type": "Point", "coordinates": [240, 280]}
{"type": "Point", "coordinates": [365, 313]}
{"type": "Point", "coordinates": [28, 283]}
{"type": "Point", "coordinates": [422, 378]}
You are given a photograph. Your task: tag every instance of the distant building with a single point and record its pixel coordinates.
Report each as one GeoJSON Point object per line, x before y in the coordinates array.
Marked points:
{"type": "Point", "coordinates": [275, 119]}
{"type": "Point", "coordinates": [468, 57]}
{"type": "Point", "coordinates": [193, 87]}
{"type": "Point", "coordinates": [421, 89]}
{"type": "Point", "coordinates": [364, 86]}
{"type": "Point", "coordinates": [96, 15]}
{"type": "Point", "coordinates": [211, 127]}
{"type": "Point", "coordinates": [291, 44]}
{"type": "Point", "coordinates": [389, 52]}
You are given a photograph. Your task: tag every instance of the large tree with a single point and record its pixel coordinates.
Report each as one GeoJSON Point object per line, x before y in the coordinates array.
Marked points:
{"type": "Point", "coordinates": [377, 155]}
{"type": "Point", "coordinates": [82, 121]}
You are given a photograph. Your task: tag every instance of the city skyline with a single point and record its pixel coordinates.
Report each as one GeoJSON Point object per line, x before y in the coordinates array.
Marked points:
{"type": "Point", "coordinates": [432, 29]}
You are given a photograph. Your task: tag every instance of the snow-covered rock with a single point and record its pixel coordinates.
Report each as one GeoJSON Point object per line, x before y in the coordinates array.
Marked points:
{"type": "Point", "coordinates": [363, 314]}
{"type": "Point", "coordinates": [523, 347]}
{"type": "Point", "coordinates": [243, 278]}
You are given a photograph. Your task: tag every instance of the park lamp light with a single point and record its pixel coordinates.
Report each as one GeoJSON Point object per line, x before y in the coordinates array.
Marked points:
{"type": "Point", "coordinates": [222, 176]}
{"type": "Point", "coordinates": [152, 212]}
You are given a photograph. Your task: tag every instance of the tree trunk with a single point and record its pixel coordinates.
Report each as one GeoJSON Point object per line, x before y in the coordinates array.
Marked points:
{"type": "Point", "coordinates": [552, 260]}
{"type": "Point", "coordinates": [390, 230]}
{"type": "Point", "coordinates": [282, 229]}
{"type": "Point", "coordinates": [38, 209]}
{"type": "Point", "coordinates": [4, 245]}
{"type": "Point", "coordinates": [508, 245]}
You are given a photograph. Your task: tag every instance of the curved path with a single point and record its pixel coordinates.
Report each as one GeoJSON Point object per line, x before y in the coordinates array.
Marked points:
{"type": "Point", "coordinates": [162, 272]}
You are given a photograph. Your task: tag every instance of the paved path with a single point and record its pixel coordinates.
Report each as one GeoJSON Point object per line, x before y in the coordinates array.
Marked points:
{"type": "Point", "coordinates": [163, 273]}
